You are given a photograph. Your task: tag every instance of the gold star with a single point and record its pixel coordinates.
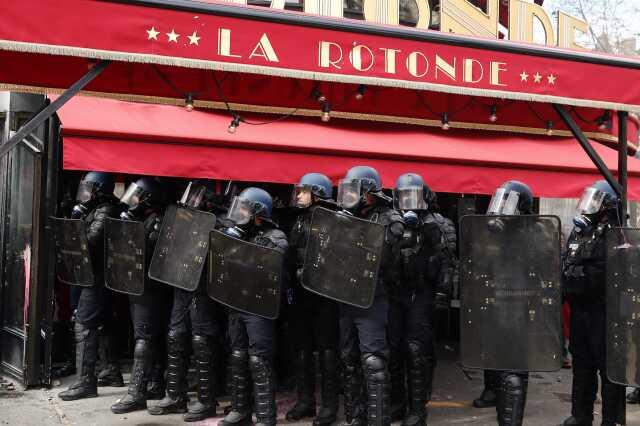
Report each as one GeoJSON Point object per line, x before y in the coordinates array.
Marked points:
{"type": "Point", "coordinates": [173, 37]}
{"type": "Point", "coordinates": [193, 39]}
{"type": "Point", "coordinates": [524, 76]}
{"type": "Point", "coordinates": [153, 34]}
{"type": "Point", "coordinates": [537, 78]}
{"type": "Point", "coordinates": [552, 79]}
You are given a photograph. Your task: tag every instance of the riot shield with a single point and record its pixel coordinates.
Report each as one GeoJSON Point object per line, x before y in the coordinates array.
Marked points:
{"type": "Point", "coordinates": [182, 247]}
{"type": "Point", "coordinates": [124, 256]}
{"type": "Point", "coordinates": [245, 276]}
{"type": "Point", "coordinates": [342, 258]}
{"type": "Point", "coordinates": [623, 306]}
{"type": "Point", "coordinates": [73, 260]}
{"type": "Point", "coordinates": [511, 302]}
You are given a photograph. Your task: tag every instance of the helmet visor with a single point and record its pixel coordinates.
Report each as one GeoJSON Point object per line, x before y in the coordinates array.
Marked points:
{"type": "Point", "coordinates": [504, 202]}
{"type": "Point", "coordinates": [133, 195]}
{"type": "Point", "coordinates": [302, 196]}
{"type": "Point", "coordinates": [349, 193]}
{"type": "Point", "coordinates": [591, 201]}
{"type": "Point", "coordinates": [409, 199]}
{"type": "Point", "coordinates": [86, 191]}
{"type": "Point", "coordinates": [193, 196]}
{"type": "Point", "coordinates": [241, 211]}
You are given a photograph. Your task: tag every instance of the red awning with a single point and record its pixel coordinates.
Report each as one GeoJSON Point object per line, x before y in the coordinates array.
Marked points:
{"type": "Point", "coordinates": [160, 140]}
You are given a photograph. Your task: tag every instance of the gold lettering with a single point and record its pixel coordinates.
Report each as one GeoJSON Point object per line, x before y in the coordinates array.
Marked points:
{"type": "Point", "coordinates": [265, 50]}
{"type": "Point", "coordinates": [521, 19]}
{"type": "Point", "coordinates": [390, 60]}
{"type": "Point", "coordinates": [462, 17]}
{"type": "Point", "coordinates": [496, 69]}
{"type": "Point", "coordinates": [445, 67]}
{"type": "Point", "coordinates": [382, 11]}
{"type": "Point", "coordinates": [567, 27]}
{"type": "Point", "coordinates": [224, 43]}
{"type": "Point", "coordinates": [235, 1]}
{"type": "Point", "coordinates": [424, 14]}
{"type": "Point", "coordinates": [468, 70]}
{"type": "Point", "coordinates": [324, 7]}
{"type": "Point", "coordinates": [355, 56]}
{"type": "Point", "coordinates": [412, 64]}
{"type": "Point", "coordinates": [324, 55]}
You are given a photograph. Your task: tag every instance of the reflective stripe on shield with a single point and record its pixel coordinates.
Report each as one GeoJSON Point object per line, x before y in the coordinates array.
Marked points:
{"type": "Point", "coordinates": [245, 276]}
{"type": "Point", "coordinates": [73, 260]}
{"type": "Point", "coordinates": [124, 256]}
{"type": "Point", "coordinates": [343, 256]}
{"type": "Point", "coordinates": [623, 306]}
{"type": "Point", "coordinates": [511, 293]}
{"type": "Point", "coordinates": [182, 247]}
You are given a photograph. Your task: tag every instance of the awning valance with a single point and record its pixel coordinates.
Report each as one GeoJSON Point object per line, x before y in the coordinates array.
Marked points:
{"type": "Point", "coordinates": [135, 138]}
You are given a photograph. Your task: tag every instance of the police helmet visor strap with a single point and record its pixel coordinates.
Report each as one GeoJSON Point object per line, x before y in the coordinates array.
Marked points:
{"type": "Point", "coordinates": [241, 211]}
{"type": "Point", "coordinates": [302, 196]}
{"type": "Point", "coordinates": [86, 191]}
{"type": "Point", "coordinates": [409, 199]}
{"type": "Point", "coordinates": [504, 202]}
{"type": "Point", "coordinates": [591, 201]}
{"type": "Point", "coordinates": [133, 195]}
{"type": "Point", "coordinates": [349, 193]}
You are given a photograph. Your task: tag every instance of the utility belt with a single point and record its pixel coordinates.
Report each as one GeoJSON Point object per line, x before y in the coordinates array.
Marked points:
{"type": "Point", "coordinates": [578, 282]}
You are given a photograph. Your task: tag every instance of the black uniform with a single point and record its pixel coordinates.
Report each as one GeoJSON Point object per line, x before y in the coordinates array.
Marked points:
{"type": "Point", "coordinates": [252, 349]}
{"type": "Point", "coordinates": [584, 279]}
{"type": "Point", "coordinates": [428, 262]}
{"type": "Point", "coordinates": [314, 326]}
{"type": "Point", "coordinates": [363, 336]}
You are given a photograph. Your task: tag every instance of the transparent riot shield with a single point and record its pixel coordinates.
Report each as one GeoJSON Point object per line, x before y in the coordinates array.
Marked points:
{"type": "Point", "coordinates": [124, 256]}
{"type": "Point", "coordinates": [182, 247]}
{"type": "Point", "coordinates": [623, 306]}
{"type": "Point", "coordinates": [73, 260]}
{"type": "Point", "coordinates": [343, 257]}
{"type": "Point", "coordinates": [511, 302]}
{"type": "Point", "coordinates": [245, 276]}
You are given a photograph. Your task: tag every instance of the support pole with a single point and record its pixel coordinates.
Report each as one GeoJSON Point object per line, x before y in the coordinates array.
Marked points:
{"type": "Point", "coordinates": [584, 142]}
{"type": "Point", "coordinates": [54, 106]}
{"type": "Point", "coordinates": [622, 164]}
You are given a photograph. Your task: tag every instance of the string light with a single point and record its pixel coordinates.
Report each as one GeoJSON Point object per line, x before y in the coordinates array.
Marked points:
{"type": "Point", "coordinates": [234, 124]}
{"type": "Point", "coordinates": [318, 96]}
{"type": "Point", "coordinates": [493, 117]}
{"type": "Point", "coordinates": [188, 102]}
{"type": "Point", "coordinates": [326, 112]}
{"type": "Point", "coordinates": [360, 92]}
{"type": "Point", "coordinates": [445, 121]}
{"type": "Point", "coordinates": [549, 128]}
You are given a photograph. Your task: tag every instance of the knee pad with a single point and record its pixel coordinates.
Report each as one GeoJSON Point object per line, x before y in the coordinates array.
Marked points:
{"type": "Point", "coordinates": [239, 358]}
{"type": "Point", "coordinates": [142, 347]}
{"type": "Point", "coordinates": [376, 367]}
{"type": "Point", "coordinates": [174, 335]}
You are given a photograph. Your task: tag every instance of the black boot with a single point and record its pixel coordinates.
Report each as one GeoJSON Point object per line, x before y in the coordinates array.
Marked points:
{"type": "Point", "coordinates": [398, 388]}
{"type": "Point", "coordinates": [264, 391]}
{"type": "Point", "coordinates": [136, 397]}
{"type": "Point", "coordinates": [64, 336]}
{"type": "Point", "coordinates": [378, 387]}
{"type": "Point", "coordinates": [205, 407]}
{"type": "Point", "coordinates": [110, 375]}
{"type": "Point", "coordinates": [329, 390]}
{"type": "Point", "coordinates": [354, 409]}
{"type": "Point", "coordinates": [613, 403]}
{"type": "Point", "coordinates": [240, 414]}
{"type": "Point", "coordinates": [305, 387]}
{"type": "Point", "coordinates": [417, 363]}
{"type": "Point", "coordinates": [176, 399]}
{"type": "Point", "coordinates": [488, 396]}
{"type": "Point", "coordinates": [86, 357]}
{"type": "Point", "coordinates": [156, 383]}
{"type": "Point", "coordinates": [634, 396]}
{"type": "Point", "coordinates": [512, 398]}
{"type": "Point", "coordinates": [583, 395]}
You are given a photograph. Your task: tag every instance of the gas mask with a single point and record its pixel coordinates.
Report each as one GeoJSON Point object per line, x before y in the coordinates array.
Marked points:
{"type": "Point", "coordinates": [410, 219]}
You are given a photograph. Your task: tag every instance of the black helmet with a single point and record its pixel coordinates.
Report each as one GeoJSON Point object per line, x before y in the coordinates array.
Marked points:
{"type": "Point", "coordinates": [358, 181]}
{"type": "Point", "coordinates": [511, 198]}
{"type": "Point", "coordinates": [250, 203]}
{"type": "Point", "coordinates": [146, 191]}
{"type": "Point", "coordinates": [312, 183]}
{"type": "Point", "coordinates": [411, 193]}
{"type": "Point", "coordinates": [596, 198]}
{"type": "Point", "coordinates": [95, 184]}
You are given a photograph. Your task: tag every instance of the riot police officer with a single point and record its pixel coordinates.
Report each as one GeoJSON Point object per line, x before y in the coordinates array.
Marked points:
{"type": "Point", "coordinates": [314, 318]}
{"type": "Point", "coordinates": [584, 279]}
{"type": "Point", "coordinates": [96, 203]}
{"type": "Point", "coordinates": [249, 219]}
{"type": "Point", "coordinates": [425, 252]}
{"type": "Point", "coordinates": [144, 200]}
{"type": "Point", "coordinates": [363, 337]}
{"type": "Point", "coordinates": [201, 312]}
